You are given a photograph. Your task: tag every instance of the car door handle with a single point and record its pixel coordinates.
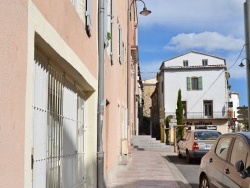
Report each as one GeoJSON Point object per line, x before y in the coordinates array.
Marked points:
{"type": "Point", "coordinates": [210, 160]}
{"type": "Point", "coordinates": [226, 171]}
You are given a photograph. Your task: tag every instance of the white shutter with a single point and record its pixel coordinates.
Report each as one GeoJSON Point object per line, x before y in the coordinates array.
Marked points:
{"type": "Point", "coordinates": [69, 134]}
{"type": "Point", "coordinates": [88, 17]}
{"type": "Point", "coordinates": [40, 122]}
{"type": "Point", "coordinates": [105, 22]}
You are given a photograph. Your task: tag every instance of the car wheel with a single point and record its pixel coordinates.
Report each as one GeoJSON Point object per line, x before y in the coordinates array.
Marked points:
{"type": "Point", "coordinates": [204, 182]}
{"type": "Point", "coordinates": [189, 159]}
{"type": "Point", "coordinates": [179, 153]}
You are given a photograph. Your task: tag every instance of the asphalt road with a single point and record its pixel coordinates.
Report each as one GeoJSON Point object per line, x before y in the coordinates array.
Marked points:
{"type": "Point", "coordinates": [189, 171]}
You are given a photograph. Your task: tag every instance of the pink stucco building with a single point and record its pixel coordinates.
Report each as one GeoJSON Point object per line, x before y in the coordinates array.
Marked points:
{"type": "Point", "coordinates": [49, 91]}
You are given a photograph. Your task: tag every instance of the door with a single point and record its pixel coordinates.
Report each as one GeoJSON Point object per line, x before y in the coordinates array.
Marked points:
{"type": "Point", "coordinates": [232, 178]}
{"type": "Point", "coordinates": [217, 161]}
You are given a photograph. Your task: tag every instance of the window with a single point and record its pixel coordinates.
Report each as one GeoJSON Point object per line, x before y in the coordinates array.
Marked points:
{"type": "Point", "coordinates": [208, 108]}
{"type": "Point", "coordinates": [88, 17]}
{"type": "Point", "coordinates": [83, 8]}
{"type": "Point", "coordinates": [162, 86]}
{"type": "Point", "coordinates": [58, 128]}
{"type": "Point", "coordinates": [204, 62]}
{"type": "Point", "coordinates": [206, 135]}
{"type": "Point", "coordinates": [120, 45]}
{"type": "Point", "coordinates": [184, 105]}
{"type": "Point", "coordinates": [222, 147]}
{"type": "Point", "coordinates": [239, 152]}
{"type": "Point", "coordinates": [230, 104]}
{"type": "Point", "coordinates": [108, 30]}
{"type": "Point", "coordinates": [194, 83]}
{"type": "Point", "coordinates": [185, 63]}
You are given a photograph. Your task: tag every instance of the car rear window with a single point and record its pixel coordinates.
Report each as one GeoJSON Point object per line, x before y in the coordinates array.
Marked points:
{"type": "Point", "coordinates": [206, 135]}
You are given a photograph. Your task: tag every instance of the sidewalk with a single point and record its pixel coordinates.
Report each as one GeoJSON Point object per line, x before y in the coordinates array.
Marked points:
{"type": "Point", "coordinates": [150, 169]}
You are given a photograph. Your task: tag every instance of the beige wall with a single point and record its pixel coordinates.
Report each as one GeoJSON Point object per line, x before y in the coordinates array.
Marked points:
{"type": "Point", "coordinates": [65, 34]}
{"type": "Point", "coordinates": [148, 89]}
{"type": "Point", "coordinates": [115, 118]}
{"type": "Point", "coordinates": [55, 29]}
{"type": "Point", "coordinates": [13, 58]}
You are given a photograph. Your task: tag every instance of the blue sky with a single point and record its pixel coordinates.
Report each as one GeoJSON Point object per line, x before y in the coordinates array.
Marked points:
{"type": "Point", "coordinates": [175, 27]}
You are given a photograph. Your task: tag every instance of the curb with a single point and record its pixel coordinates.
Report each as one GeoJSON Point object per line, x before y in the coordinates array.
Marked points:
{"type": "Point", "coordinates": [180, 179]}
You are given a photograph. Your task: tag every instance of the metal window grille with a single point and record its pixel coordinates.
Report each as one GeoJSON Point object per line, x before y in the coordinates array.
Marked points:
{"type": "Point", "coordinates": [58, 129]}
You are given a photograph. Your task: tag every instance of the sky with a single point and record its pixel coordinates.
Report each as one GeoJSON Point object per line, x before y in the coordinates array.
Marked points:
{"type": "Point", "coordinates": [175, 27]}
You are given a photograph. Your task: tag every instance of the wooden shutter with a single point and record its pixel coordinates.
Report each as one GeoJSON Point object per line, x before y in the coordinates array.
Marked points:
{"type": "Point", "coordinates": [200, 83]}
{"type": "Point", "coordinates": [188, 83]}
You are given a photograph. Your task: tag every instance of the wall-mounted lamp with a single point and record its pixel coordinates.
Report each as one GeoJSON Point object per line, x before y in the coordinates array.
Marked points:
{"type": "Point", "coordinates": [241, 63]}
{"type": "Point", "coordinates": [144, 11]}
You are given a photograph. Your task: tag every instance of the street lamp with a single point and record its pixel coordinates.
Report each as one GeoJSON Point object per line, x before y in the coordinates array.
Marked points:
{"type": "Point", "coordinates": [144, 12]}
{"type": "Point", "coordinates": [241, 63]}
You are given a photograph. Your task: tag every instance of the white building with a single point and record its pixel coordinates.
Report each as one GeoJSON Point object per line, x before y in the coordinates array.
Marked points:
{"type": "Point", "coordinates": [203, 81]}
{"type": "Point", "coordinates": [234, 103]}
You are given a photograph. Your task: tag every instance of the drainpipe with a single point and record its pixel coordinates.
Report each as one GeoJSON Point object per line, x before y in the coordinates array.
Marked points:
{"type": "Point", "coordinates": [128, 69]}
{"type": "Point", "coordinates": [100, 108]}
{"type": "Point", "coordinates": [247, 39]}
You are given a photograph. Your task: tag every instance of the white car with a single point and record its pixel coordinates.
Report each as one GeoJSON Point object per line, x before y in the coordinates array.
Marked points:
{"type": "Point", "coordinates": [196, 143]}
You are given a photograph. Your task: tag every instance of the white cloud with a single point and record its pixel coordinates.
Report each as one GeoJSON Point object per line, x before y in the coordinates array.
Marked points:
{"type": "Point", "coordinates": [208, 41]}
{"type": "Point", "coordinates": [225, 15]}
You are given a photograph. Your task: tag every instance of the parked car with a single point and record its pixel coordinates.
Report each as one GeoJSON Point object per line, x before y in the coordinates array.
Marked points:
{"type": "Point", "coordinates": [196, 143]}
{"type": "Point", "coordinates": [227, 164]}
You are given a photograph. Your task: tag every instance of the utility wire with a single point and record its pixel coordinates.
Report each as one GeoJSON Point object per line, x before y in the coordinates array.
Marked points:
{"type": "Point", "coordinates": [218, 78]}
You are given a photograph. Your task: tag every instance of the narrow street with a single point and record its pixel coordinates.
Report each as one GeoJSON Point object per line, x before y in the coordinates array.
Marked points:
{"type": "Point", "coordinates": [189, 171]}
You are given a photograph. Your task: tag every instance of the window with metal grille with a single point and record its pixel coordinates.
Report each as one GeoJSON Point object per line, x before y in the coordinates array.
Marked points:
{"type": "Point", "coordinates": [58, 129]}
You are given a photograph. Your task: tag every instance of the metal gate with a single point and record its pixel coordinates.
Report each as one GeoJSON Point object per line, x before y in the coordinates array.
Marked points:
{"type": "Point", "coordinates": [58, 129]}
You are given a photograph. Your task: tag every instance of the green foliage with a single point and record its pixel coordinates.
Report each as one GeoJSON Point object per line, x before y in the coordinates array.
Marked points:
{"type": "Point", "coordinates": [167, 120]}
{"type": "Point", "coordinates": [109, 37]}
{"type": "Point", "coordinates": [179, 115]}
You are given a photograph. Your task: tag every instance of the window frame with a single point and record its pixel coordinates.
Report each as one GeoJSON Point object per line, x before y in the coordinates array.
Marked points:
{"type": "Point", "coordinates": [208, 108]}
{"type": "Point", "coordinates": [185, 63]}
{"type": "Point", "coordinates": [228, 148]}
{"type": "Point", "coordinates": [204, 62]}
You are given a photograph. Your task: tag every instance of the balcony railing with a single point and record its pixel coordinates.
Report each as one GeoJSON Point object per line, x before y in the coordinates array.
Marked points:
{"type": "Point", "coordinates": [201, 115]}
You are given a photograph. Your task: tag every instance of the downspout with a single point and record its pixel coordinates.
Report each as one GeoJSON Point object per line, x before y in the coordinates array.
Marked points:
{"type": "Point", "coordinates": [100, 108]}
{"type": "Point", "coordinates": [128, 70]}
{"type": "Point", "coordinates": [247, 42]}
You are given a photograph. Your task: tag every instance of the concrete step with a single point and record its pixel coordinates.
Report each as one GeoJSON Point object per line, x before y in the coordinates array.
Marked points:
{"type": "Point", "coordinates": [145, 142]}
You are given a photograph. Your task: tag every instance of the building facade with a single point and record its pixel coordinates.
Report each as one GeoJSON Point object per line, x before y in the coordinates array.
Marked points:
{"type": "Point", "coordinates": [49, 83]}
{"type": "Point", "coordinates": [149, 86]}
{"type": "Point", "coordinates": [203, 81]}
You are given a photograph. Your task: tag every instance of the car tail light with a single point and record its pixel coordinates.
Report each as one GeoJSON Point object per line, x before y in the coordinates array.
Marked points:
{"type": "Point", "coordinates": [195, 146]}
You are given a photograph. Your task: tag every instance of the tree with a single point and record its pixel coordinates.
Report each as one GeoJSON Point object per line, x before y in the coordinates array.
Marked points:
{"type": "Point", "coordinates": [179, 116]}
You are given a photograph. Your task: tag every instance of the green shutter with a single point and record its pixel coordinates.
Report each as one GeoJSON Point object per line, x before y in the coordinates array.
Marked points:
{"type": "Point", "coordinates": [200, 83]}
{"type": "Point", "coordinates": [188, 83]}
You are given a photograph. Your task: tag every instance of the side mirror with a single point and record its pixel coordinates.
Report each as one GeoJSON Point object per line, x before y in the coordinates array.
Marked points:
{"type": "Point", "coordinates": [239, 165]}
